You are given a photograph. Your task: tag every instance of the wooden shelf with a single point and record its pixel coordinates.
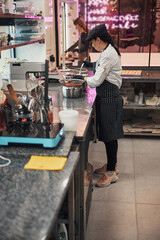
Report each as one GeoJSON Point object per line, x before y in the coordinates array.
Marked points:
{"type": "Point", "coordinates": [142, 108]}
{"type": "Point", "coordinates": [148, 75]}
{"type": "Point", "coordinates": [126, 79]}
{"type": "Point", "coordinates": [17, 16]}
{"type": "Point", "coordinates": [15, 44]}
{"type": "Point", "coordinates": [142, 134]}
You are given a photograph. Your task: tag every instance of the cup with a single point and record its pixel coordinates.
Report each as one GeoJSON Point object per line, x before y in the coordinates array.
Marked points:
{"type": "Point", "coordinates": [69, 118]}
{"type": "Point", "coordinates": [2, 118]}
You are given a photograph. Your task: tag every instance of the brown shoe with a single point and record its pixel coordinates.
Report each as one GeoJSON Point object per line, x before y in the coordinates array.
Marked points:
{"type": "Point", "coordinates": [106, 180]}
{"type": "Point", "coordinates": [103, 169]}
{"type": "Point", "coordinates": [87, 178]}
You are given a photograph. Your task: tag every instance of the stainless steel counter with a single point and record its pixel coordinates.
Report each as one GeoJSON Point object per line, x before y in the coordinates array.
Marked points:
{"type": "Point", "coordinates": [83, 105]}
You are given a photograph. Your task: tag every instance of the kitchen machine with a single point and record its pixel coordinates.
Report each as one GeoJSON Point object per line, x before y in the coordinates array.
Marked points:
{"type": "Point", "coordinates": [27, 120]}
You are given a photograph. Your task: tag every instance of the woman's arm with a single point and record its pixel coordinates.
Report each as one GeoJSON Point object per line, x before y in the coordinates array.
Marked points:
{"type": "Point", "coordinates": [71, 48]}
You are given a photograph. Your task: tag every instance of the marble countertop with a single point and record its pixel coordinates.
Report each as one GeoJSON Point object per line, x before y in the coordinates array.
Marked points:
{"type": "Point", "coordinates": [30, 200]}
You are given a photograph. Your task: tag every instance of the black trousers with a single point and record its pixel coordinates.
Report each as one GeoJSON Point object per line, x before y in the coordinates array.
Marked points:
{"type": "Point", "coordinates": [111, 150]}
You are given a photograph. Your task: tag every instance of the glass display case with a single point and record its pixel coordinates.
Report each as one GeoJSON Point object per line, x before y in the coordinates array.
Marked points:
{"type": "Point", "coordinates": [134, 26]}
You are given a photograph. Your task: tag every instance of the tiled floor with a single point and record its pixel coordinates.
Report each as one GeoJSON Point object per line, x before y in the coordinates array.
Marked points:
{"type": "Point", "coordinates": [130, 208]}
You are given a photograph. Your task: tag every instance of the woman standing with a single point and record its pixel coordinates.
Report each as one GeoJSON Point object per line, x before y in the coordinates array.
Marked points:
{"type": "Point", "coordinates": [82, 44]}
{"type": "Point", "coordinates": [109, 107]}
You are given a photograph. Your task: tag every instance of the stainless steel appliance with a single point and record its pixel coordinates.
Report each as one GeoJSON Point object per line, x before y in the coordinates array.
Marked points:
{"type": "Point", "coordinates": [19, 73]}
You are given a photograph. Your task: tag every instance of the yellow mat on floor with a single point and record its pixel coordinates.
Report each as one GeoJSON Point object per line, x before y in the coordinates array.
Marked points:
{"type": "Point", "coordinates": [46, 163]}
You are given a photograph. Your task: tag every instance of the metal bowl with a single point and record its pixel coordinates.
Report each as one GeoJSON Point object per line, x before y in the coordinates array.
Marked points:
{"type": "Point", "coordinates": [72, 92]}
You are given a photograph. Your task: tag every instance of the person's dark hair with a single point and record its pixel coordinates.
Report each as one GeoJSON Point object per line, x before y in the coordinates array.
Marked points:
{"type": "Point", "coordinates": [81, 23]}
{"type": "Point", "coordinates": [106, 37]}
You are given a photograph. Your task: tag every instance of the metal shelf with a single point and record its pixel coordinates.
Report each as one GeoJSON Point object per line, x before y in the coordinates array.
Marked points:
{"type": "Point", "coordinates": [17, 16]}
{"type": "Point", "coordinates": [15, 44]}
{"type": "Point", "coordinates": [8, 19]}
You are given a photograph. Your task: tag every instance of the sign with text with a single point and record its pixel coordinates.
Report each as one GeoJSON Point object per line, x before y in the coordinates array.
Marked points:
{"type": "Point", "coordinates": [99, 12]}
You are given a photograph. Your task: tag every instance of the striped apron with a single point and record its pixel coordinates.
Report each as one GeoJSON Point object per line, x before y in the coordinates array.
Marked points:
{"type": "Point", "coordinates": [109, 112]}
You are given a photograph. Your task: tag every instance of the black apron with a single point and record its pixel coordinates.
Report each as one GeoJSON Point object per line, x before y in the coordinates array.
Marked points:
{"type": "Point", "coordinates": [109, 112]}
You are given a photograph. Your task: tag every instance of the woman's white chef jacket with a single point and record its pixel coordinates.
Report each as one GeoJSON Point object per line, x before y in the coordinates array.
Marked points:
{"type": "Point", "coordinates": [108, 68]}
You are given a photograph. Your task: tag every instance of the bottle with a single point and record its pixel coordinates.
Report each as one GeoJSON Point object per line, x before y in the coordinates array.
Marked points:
{"type": "Point", "coordinates": [140, 99]}
{"type": "Point", "coordinates": [62, 232]}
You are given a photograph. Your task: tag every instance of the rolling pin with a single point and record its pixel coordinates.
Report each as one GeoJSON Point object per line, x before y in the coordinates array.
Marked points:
{"type": "Point", "coordinates": [12, 93]}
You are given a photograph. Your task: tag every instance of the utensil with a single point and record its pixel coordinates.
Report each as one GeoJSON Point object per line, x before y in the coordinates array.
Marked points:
{"type": "Point", "coordinates": [82, 66]}
{"type": "Point", "coordinates": [12, 93]}
{"type": "Point", "coordinates": [61, 74]}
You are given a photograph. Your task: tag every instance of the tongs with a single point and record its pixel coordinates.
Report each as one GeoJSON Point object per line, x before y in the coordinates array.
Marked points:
{"type": "Point", "coordinates": [82, 66]}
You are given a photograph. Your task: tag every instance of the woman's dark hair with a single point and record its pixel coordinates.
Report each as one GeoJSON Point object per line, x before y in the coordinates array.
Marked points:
{"type": "Point", "coordinates": [106, 37]}
{"type": "Point", "coordinates": [81, 23]}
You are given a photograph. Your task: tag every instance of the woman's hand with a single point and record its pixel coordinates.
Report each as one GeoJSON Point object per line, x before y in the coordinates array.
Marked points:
{"type": "Point", "coordinates": [85, 79]}
{"type": "Point", "coordinates": [87, 63]}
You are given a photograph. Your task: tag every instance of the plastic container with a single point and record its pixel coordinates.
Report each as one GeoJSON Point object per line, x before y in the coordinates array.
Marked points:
{"type": "Point", "coordinates": [69, 118]}
{"type": "Point", "coordinates": [140, 100]}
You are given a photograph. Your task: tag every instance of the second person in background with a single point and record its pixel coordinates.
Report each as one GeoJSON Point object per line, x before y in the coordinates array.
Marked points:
{"type": "Point", "coordinates": [82, 44]}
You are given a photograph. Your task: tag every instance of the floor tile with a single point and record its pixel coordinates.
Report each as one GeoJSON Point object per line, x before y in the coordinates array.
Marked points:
{"type": "Point", "coordinates": [125, 145]}
{"type": "Point", "coordinates": [147, 189]}
{"type": "Point", "coordinates": [121, 191]}
{"type": "Point", "coordinates": [146, 145]}
{"type": "Point", "coordinates": [125, 162]}
{"type": "Point", "coordinates": [111, 220]}
{"type": "Point", "coordinates": [148, 217]}
{"type": "Point", "coordinates": [113, 213]}
{"type": "Point", "coordinates": [147, 163]}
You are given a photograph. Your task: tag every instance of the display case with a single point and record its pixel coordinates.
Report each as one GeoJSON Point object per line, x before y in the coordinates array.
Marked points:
{"type": "Point", "coordinates": [35, 41]}
{"type": "Point", "coordinates": [21, 39]}
{"type": "Point", "coordinates": [141, 94]}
